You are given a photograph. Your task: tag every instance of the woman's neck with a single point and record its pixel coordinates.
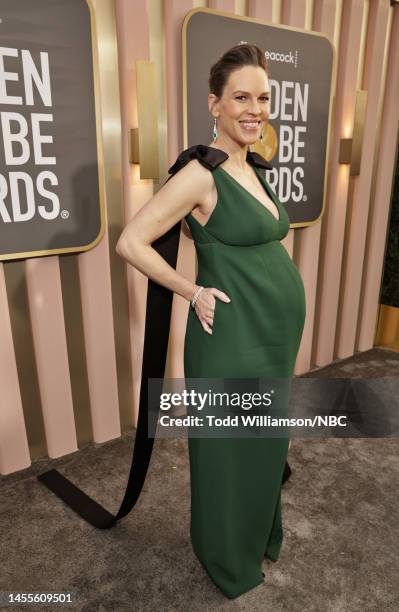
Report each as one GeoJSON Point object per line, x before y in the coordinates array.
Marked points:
{"type": "Point", "coordinates": [237, 155]}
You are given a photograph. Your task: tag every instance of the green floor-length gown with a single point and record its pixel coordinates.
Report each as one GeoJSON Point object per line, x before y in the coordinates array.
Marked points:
{"type": "Point", "coordinates": [236, 482]}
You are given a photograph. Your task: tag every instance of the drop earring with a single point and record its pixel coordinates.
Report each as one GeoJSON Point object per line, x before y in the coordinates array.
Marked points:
{"type": "Point", "coordinates": [214, 133]}
{"type": "Point", "coordinates": [261, 136]}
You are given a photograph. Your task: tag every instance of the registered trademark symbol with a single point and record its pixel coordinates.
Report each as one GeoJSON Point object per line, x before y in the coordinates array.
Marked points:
{"type": "Point", "coordinates": [64, 214]}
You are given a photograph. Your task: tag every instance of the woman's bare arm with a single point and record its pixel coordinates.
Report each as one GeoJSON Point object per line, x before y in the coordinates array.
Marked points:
{"type": "Point", "coordinates": [179, 195]}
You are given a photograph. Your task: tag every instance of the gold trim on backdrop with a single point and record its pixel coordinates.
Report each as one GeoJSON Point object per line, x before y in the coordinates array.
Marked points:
{"type": "Point", "coordinates": [44, 252]}
{"type": "Point", "coordinates": [345, 151]}
{"type": "Point", "coordinates": [134, 156]}
{"type": "Point", "coordinates": [274, 25]}
{"type": "Point", "coordinates": [156, 32]}
{"type": "Point", "coordinates": [358, 130]}
{"type": "Point", "coordinates": [350, 149]}
{"type": "Point", "coordinates": [147, 115]}
{"type": "Point", "coordinates": [388, 327]}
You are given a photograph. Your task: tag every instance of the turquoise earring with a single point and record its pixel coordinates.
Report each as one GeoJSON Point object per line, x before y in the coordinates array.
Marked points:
{"type": "Point", "coordinates": [214, 133]}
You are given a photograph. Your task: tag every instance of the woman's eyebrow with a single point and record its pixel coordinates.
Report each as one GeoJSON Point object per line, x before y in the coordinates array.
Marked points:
{"type": "Point", "coordinates": [247, 92]}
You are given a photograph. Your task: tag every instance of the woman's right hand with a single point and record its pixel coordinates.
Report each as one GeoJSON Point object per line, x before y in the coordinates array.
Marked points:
{"type": "Point", "coordinates": [205, 306]}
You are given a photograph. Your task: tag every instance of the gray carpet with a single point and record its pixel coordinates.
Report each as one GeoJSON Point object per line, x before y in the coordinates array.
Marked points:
{"type": "Point", "coordinates": [340, 513]}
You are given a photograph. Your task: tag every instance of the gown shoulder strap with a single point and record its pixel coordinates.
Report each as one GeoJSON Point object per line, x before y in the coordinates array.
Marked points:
{"type": "Point", "coordinates": [207, 156]}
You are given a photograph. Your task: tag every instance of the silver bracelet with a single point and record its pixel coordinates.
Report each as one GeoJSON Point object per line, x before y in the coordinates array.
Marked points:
{"type": "Point", "coordinates": [195, 296]}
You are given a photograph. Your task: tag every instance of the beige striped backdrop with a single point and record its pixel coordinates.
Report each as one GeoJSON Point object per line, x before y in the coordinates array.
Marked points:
{"type": "Point", "coordinates": [71, 326]}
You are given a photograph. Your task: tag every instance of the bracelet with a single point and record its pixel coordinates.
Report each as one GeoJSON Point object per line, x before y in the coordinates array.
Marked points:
{"type": "Point", "coordinates": [195, 296]}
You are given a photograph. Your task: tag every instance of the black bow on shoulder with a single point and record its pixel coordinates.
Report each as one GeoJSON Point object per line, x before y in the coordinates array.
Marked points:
{"type": "Point", "coordinates": [210, 157]}
{"type": "Point", "coordinates": [258, 160]}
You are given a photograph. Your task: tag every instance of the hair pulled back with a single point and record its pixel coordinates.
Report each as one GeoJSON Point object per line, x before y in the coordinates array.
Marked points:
{"type": "Point", "coordinates": [240, 55]}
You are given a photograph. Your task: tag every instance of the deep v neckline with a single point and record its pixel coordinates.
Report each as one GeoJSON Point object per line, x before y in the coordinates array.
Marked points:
{"type": "Point", "coordinates": [265, 187]}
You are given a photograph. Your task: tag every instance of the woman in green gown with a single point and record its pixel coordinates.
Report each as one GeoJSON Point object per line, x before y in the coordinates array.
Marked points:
{"type": "Point", "coordinates": [246, 319]}
{"type": "Point", "coordinates": [236, 482]}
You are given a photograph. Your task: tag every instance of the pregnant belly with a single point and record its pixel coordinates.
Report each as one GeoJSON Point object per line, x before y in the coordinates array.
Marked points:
{"type": "Point", "coordinates": [265, 318]}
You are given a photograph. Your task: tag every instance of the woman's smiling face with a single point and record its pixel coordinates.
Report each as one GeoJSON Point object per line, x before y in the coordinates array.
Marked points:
{"type": "Point", "coordinates": [244, 105]}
